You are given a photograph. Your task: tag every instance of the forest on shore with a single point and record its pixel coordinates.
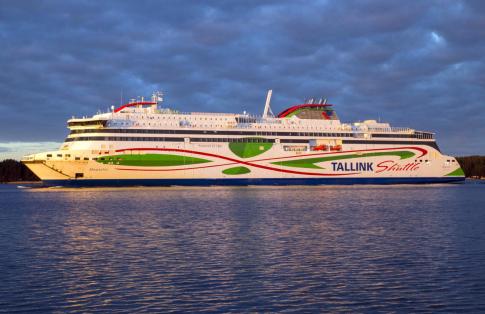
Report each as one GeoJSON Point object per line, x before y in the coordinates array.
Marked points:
{"type": "Point", "coordinates": [473, 166]}
{"type": "Point", "coordinates": [12, 170]}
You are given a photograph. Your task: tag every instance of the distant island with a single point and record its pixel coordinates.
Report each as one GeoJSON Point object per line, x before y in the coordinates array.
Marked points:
{"type": "Point", "coordinates": [14, 171]}
{"type": "Point", "coordinates": [473, 166]}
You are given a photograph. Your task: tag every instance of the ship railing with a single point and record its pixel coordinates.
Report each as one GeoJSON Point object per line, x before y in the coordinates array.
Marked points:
{"type": "Point", "coordinates": [424, 135]}
{"type": "Point", "coordinates": [220, 114]}
{"type": "Point", "coordinates": [398, 130]}
{"type": "Point", "coordinates": [250, 121]}
{"type": "Point", "coordinates": [186, 113]}
{"type": "Point", "coordinates": [392, 130]}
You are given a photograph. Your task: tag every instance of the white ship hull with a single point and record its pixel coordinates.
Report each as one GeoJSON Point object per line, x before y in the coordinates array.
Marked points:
{"type": "Point", "coordinates": [305, 144]}
{"type": "Point", "coordinates": [213, 164]}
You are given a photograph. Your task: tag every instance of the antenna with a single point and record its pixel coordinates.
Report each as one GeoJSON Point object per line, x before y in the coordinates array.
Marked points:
{"type": "Point", "coordinates": [266, 106]}
{"type": "Point", "coordinates": [157, 97]}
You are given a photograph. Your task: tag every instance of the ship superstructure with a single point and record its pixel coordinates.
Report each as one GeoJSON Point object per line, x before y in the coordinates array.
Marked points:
{"type": "Point", "coordinates": [142, 143]}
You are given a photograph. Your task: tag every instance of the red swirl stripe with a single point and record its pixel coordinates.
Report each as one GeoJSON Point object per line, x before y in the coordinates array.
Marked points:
{"type": "Point", "coordinates": [236, 161]}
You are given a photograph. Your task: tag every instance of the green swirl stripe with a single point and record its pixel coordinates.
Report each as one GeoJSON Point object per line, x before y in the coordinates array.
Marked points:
{"type": "Point", "coordinates": [151, 160]}
{"type": "Point", "coordinates": [310, 162]}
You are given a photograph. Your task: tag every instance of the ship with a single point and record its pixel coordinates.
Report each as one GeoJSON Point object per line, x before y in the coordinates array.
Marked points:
{"type": "Point", "coordinates": [143, 143]}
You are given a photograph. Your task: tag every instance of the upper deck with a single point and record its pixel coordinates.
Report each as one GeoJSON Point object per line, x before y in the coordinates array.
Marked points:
{"type": "Point", "coordinates": [309, 119]}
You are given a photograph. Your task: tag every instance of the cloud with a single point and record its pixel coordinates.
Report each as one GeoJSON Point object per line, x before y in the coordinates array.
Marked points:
{"type": "Point", "coordinates": [417, 64]}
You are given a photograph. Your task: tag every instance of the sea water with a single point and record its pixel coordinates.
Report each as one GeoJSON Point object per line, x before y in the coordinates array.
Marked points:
{"type": "Point", "coordinates": [409, 248]}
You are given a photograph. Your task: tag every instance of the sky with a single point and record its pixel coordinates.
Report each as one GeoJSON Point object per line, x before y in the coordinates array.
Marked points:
{"type": "Point", "coordinates": [416, 64]}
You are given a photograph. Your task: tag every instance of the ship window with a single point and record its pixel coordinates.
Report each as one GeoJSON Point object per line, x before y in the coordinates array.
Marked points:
{"type": "Point", "coordinates": [79, 175]}
{"type": "Point", "coordinates": [77, 158]}
{"type": "Point", "coordinates": [95, 158]}
{"type": "Point", "coordinates": [59, 155]}
{"type": "Point", "coordinates": [86, 158]}
{"type": "Point", "coordinates": [49, 155]}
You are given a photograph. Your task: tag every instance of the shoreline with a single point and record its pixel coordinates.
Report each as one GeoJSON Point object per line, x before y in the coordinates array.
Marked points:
{"type": "Point", "coordinates": [21, 182]}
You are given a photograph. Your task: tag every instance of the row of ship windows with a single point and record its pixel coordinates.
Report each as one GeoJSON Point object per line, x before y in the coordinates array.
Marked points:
{"type": "Point", "coordinates": [181, 139]}
{"type": "Point", "coordinates": [316, 134]}
{"type": "Point", "coordinates": [181, 118]}
{"type": "Point", "coordinates": [428, 161]}
{"type": "Point", "coordinates": [148, 131]}
{"type": "Point", "coordinates": [198, 125]}
{"type": "Point", "coordinates": [69, 156]}
{"type": "Point", "coordinates": [254, 140]}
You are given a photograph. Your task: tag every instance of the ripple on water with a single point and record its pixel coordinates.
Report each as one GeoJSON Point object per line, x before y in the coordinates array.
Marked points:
{"type": "Point", "coordinates": [265, 249]}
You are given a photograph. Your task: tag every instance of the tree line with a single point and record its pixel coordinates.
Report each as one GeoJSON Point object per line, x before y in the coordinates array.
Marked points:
{"type": "Point", "coordinates": [473, 166]}
{"type": "Point", "coordinates": [12, 170]}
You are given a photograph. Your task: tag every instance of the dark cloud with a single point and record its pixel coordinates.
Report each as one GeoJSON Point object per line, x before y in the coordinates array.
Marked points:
{"type": "Point", "coordinates": [417, 64]}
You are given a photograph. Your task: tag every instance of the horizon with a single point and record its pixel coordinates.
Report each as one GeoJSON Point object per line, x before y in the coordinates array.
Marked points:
{"type": "Point", "coordinates": [417, 65]}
